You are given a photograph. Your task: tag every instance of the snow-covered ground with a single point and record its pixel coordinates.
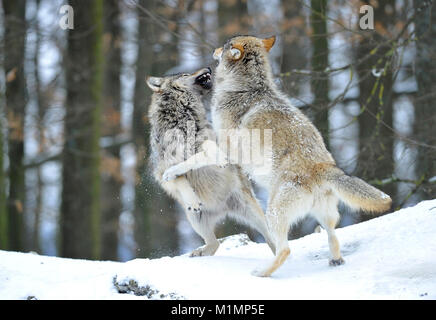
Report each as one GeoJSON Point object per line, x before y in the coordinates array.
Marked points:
{"type": "Point", "coordinates": [390, 257]}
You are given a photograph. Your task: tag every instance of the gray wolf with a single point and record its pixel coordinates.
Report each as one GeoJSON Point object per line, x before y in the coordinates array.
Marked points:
{"type": "Point", "coordinates": [303, 178]}
{"type": "Point", "coordinates": [178, 127]}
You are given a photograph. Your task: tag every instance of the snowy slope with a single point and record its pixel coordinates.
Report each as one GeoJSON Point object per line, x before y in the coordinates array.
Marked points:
{"type": "Point", "coordinates": [390, 257]}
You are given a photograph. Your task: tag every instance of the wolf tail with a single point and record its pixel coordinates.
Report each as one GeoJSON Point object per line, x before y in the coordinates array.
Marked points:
{"type": "Point", "coordinates": [356, 193]}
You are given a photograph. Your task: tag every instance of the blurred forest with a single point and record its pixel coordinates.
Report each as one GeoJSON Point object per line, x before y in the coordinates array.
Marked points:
{"type": "Point", "coordinates": [74, 178]}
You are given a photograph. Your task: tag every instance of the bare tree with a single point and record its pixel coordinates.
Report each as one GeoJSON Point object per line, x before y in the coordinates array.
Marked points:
{"type": "Point", "coordinates": [14, 49]}
{"type": "Point", "coordinates": [156, 229]}
{"type": "Point", "coordinates": [425, 115]}
{"type": "Point", "coordinates": [140, 131]}
{"type": "Point", "coordinates": [3, 208]}
{"type": "Point", "coordinates": [41, 109]}
{"type": "Point", "coordinates": [375, 158]}
{"type": "Point", "coordinates": [111, 127]}
{"type": "Point", "coordinates": [80, 208]}
{"type": "Point", "coordinates": [293, 37]}
{"type": "Point", "coordinates": [320, 57]}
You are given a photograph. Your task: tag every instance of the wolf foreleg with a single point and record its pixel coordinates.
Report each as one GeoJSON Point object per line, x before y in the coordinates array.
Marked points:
{"type": "Point", "coordinates": [211, 155]}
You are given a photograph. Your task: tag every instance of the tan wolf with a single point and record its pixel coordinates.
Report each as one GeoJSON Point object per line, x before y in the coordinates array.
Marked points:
{"type": "Point", "coordinates": [178, 124]}
{"type": "Point", "coordinates": [303, 178]}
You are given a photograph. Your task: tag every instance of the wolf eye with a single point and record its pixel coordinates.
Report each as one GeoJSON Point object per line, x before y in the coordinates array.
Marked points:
{"type": "Point", "coordinates": [236, 53]}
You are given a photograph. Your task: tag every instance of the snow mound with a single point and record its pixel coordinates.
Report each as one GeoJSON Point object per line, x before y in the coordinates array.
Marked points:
{"type": "Point", "coordinates": [390, 257]}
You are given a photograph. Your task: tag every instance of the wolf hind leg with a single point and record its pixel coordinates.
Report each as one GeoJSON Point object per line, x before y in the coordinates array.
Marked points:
{"type": "Point", "coordinates": [284, 209]}
{"type": "Point", "coordinates": [204, 224]}
{"type": "Point", "coordinates": [326, 212]}
{"type": "Point", "coordinates": [282, 251]}
{"type": "Point", "coordinates": [251, 213]}
{"type": "Point", "coordinates": [278, 226]}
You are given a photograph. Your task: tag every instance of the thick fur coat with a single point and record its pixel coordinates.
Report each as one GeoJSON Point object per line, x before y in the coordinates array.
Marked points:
{"type": "Point", "coordinates": [178, 128]}
{"type": "Point", "coordinates": [302, 178]}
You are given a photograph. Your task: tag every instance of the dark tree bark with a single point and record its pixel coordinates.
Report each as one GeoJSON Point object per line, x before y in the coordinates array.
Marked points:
{"type": "Point", "coordinates": [80, 208]}
{"type": "Point", "coordinates": [375, 159]}
{"type": "Point", "coordinates": [34, 243]}
{"type": "Point", "coordinates": [140, 131]}
{"type": "Point", "coordinates": [320, 62]}
{"type": "Point", "coordinates": [111, 127]}
{"type": "Point", "coordinates": [425, 73]}
{"type": "Point", "coordinates": [293, 37]}
{"type": "Point", "coordinates": [14, 49]}
{"type": "Point", "coordinates": [3, 209]}
{"type": "Point", "coordinates": [156, 223]}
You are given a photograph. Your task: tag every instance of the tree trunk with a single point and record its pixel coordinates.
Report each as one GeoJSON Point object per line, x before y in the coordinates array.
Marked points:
{"type": "Point", "coordinates": [425, 73]}
{"type": "Point", "coordinates": [14, 49]}
{"type": "Point", "coordinates": [80, 208]}
{"type": "Point", "coordinates": [34, 243]}
{"type": "Point", "coordinates": [293, 37]}
{"type": "Point", "coordinates": [375, 159]}
{"type": "Point", "coordinates": [140, 130]}
{"type": "Point", "coordinates": [111, 127]}
{"type": "Point", "coordinates": [320, 62]}
{"type": "Point", "coordinates": [156, 221]}
{"type": "Point", "coordinates": [3, 210]}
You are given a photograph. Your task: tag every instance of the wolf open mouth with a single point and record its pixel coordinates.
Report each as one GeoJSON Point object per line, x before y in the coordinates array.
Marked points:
{"type": "Point", "coordinates": [204, 80]}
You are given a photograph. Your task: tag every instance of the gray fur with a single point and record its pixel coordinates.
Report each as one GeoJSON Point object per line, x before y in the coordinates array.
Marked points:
{"type": "Point", "coordinates": [208, 194]}
{"type": "Point", "coordinates": [303, 178]}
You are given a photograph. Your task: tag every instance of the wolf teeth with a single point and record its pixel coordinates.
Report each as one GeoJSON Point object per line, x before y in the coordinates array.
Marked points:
{"type": "Point", "coordinates": [205, 76]}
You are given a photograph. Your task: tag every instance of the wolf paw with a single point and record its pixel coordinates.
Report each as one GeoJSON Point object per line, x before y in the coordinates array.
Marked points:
{"type": "Point", "coordinates": [336, 262]}
{"type": "Point", "coordinates": [194, 207]}
{"type": "Point", "coordinates": [171, 173]}
{"type": "Point", "coordinates": [208, 250]}
{"type": "Point", "coordinates": [260, 273]}
{"type": "Point", "coordinates": [223, 166]}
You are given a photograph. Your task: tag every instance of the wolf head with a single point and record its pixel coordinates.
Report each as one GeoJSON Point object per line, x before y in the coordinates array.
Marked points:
{"type": "Point", "coordinates": [245, 56]}
{"type": "Point", "coordinates": [178, 99]}
{"type": "Point", "coordinates": [198, 82]}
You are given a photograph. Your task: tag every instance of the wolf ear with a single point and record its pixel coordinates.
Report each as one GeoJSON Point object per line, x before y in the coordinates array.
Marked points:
{"type": "Point", "coordinates": [154, 83]}
{"type": "Point", "coordinates": [218, 53]}
{"type": "Point", "coordinates": [237, 51]}
{"type": "Point", "coordinates": [269, 42]}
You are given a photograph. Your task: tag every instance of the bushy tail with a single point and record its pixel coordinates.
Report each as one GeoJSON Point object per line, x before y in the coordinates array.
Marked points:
{"type": "Point", "coordinates": [356, 193]}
